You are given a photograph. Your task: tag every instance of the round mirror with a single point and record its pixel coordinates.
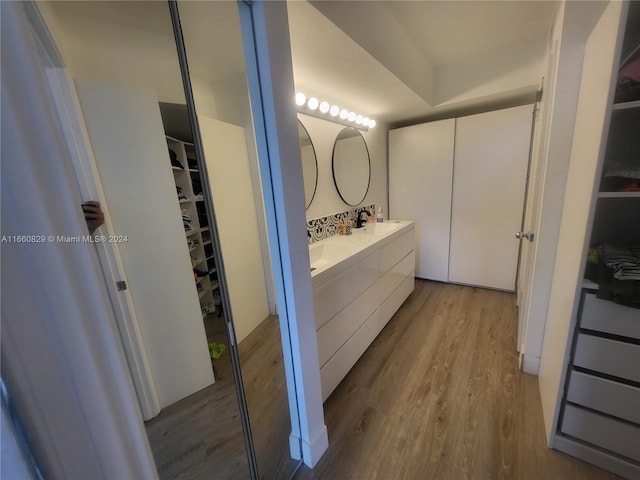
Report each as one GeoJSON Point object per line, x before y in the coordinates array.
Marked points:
{"type": "Point", "coordinates": [351, 166]}
{"type": "Point", "coordinates": [309, 164]}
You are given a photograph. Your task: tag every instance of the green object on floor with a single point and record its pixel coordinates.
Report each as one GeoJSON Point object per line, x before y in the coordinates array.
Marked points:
{"type": "Point", "coordinates": [216, 350]}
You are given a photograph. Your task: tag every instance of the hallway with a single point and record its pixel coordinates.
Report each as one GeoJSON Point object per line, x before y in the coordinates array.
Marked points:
{"type": "Point", "coordinates": [439, 395]}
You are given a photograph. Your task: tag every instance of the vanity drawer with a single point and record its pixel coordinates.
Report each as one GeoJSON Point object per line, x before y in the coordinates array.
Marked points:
{"type": "Point", "coordinates": [394, 277]}
{"type": "Point", "coordinates": [333, 334]}
{"type": "Point", "coordinates": [395, 251]}
{"type": "Point", "coordinates": [332, 296]}
{"type": "Point", "coordinates": [617, 399]}
{"type": "Point", "coordinates": [612, 357]}
{"type": "Point", "coordinates": [614, 435]}
{"type": "Point", "coordinates": [609, 317]}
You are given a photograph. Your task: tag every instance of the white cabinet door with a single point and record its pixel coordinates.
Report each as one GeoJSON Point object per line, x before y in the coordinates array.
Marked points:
{"type": "Point", "coordinates": [489, 177]}
{"type": "Point", "coordinates": [127, 138]}
{"type": "Point", "coordinates": [420, 174]}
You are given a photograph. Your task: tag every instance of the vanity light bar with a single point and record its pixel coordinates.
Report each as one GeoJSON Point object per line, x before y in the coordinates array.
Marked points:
{"type": "Point", "coordinates": [323, 109]}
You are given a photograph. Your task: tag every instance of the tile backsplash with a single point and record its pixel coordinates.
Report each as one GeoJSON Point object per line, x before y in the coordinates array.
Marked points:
{"type": "Point", "coordinates": [325, 227]}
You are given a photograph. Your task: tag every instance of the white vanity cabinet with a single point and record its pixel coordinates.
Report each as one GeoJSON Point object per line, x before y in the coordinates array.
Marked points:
{"type": "Point", "coordinates": [357, 298]}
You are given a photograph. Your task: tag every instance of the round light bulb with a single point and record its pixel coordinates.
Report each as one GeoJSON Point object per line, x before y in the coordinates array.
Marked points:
{"type": "Point", "coordinates": [344, 113]}
{"type": "Point", "coordinates": [372, 123]}
{"type": "Point", "coordinates": [334, 110]}
{"type": "Point", "coordinates": [352, 116]}
{"type": "Point", "coordinates": [313, 103]}
{"type": "Point", "coordinates": [365, 121]}
{"type": "Point", "coordinates": [301, 99]}
{"type": "Point", "coordinates": [359, 119]}
{"type": "Point", "coordinates": [324, 107]}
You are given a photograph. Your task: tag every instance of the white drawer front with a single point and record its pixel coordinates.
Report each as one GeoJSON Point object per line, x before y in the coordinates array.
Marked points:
{"type": "Point", "coordinates": [332, 373]}
{"type": "Point", "coordinates": [619, 437]}
{"type": "Point", "coordinates": [332, 296]}
{"type": "Point", "coordinates": [609, 317]}
{"type": "Point", "coordinates": [333, 334]}
{"type": "Point", "coordinates": [617, 399]}
{"type": "Point", "coordinates": [395, 251]}
{"type": "Point", "coordinates": [612, 357]}
{"type": "Point", "coordinates": [394, 277]}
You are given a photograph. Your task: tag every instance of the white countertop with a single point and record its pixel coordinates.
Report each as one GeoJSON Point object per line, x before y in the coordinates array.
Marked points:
{"type": "Point", "coordinates": [333, 255]}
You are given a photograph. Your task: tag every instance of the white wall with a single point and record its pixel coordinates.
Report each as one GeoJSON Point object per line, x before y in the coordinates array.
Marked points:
{"type": "Point", "coordinates": [508, 70]}
{"type": "Point", "coordinates": [327, 201]}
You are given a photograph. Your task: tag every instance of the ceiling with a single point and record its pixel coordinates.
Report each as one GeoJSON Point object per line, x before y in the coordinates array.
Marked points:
{"type": "Point", "coordinates": [395, 60]}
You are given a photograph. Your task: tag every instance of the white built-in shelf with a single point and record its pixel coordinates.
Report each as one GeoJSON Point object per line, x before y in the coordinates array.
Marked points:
{"type": "Point", "coordinates": [626, 105]}
{"type": "Point", "coordinates": [186, 200]}
{"type": "Point", "coordinates": [214, 285]}
{"type": "Point", "coordinates": [198, 198]}
{"type": "Point", "coordinates": [209, 257]}
{"type": "Point", "coordinates": [590, 284]}
{"type": "Point", "coordinates": [195, 170]}
{"type": "Point", "coordinates": [176, 169]}
{"type": "Point", "coordinates": [619, 195]}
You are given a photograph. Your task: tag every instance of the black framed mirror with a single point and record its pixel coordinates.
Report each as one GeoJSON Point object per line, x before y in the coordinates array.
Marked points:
{"type": "Point", "coordinates": [309, 164]}
{"type": "Point", "coordinates": [351, 166]}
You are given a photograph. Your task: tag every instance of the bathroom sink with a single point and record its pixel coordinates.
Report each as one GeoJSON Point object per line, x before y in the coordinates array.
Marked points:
{"type": "Point", "coordinates": [326, 253]}
{"type": "Point", "coordinates": [378, 228]}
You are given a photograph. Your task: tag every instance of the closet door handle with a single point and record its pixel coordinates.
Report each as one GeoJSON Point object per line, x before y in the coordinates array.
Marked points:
{"type": "Point", "coordinates": [528, 235]}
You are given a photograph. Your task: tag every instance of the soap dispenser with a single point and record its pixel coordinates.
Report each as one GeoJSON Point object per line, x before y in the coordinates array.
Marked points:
{"type": "Point", "coordinates": [379, 217]}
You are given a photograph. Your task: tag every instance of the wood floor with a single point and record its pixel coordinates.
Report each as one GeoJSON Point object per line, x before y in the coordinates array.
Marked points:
{"type": "Point", "coordinates": [201, 437]}
{"type": "Point", "coordinates": [438, 395]}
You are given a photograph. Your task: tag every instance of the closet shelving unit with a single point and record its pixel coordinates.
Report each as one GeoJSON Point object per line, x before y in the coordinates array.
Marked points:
{"type": "Point", "coordinates": [600, 416]}
{"type": "Point", "coordinates": [197, 235]}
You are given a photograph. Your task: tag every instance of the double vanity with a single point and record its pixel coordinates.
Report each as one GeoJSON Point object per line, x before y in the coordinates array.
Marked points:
{"type": "Point", "coordinates": [359, 281]}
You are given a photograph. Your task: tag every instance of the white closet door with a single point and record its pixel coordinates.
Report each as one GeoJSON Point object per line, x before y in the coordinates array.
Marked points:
{"type": "Point", "coordinates": [420, 173]}
{"type": "Point", "coordinates": [490, 168]}
{"type": "Point", "coordinates": [127, 137]}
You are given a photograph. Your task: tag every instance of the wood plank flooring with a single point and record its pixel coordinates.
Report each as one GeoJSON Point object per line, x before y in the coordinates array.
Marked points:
{"type": "Point", "coordinates": [200, 437]}
{"type": "Point", "coordinates": [438, 395]}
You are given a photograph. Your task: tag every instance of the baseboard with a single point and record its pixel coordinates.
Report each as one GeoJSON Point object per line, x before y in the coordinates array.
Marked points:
{"type": "Point", "coordinates": [530, 364]}
{"type": "Point", "coordinates": [312, 452]}
{"type": "Point", "coordinates": [597, 457]}
{"type": "Point", "coordinates": [295, 446]}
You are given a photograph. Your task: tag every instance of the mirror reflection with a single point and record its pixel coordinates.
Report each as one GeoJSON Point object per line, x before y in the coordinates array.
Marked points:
{"type": "Point", "coordinates": [213, 42]}
{"type": "Point", "coordinates": [351, 166]}
{"type": "Point", "coordinates": [122, 59]}
{"type": "Point", "coordinates": [309, 164]}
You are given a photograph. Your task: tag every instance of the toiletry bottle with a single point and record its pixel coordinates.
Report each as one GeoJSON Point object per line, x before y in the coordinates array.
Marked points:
{"type": "Point", "coordinates": [379, 217]}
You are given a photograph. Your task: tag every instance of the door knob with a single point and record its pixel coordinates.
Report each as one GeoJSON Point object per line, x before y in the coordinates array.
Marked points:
{"type": "Point", "coordinates": [527, 235]}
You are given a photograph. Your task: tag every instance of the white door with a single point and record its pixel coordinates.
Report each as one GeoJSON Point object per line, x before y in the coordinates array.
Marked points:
{"type": "Point", "coordinates": [534, 197]}
{"type": "Point", "coordinates": [127, 138]}
{"type": "Point", "coordinates": [489, 179]}
{"type": "Point", "coordinates": [420, 174]}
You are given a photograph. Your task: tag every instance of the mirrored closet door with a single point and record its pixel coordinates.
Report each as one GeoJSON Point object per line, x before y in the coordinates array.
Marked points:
{"type": "Point", "coordinates": [198, 321]}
